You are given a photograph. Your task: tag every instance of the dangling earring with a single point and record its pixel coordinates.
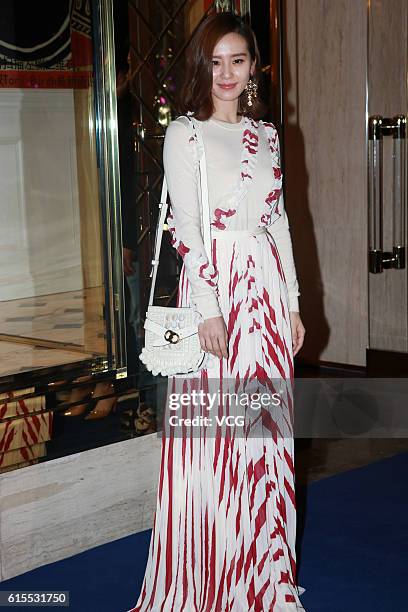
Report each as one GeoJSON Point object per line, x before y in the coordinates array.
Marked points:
{"type": "Point", "coordinates": [251, 89]}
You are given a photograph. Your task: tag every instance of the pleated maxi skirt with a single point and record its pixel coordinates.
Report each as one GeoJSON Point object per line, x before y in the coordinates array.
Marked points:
{"type": "Point", "coordinates": [223, 538]}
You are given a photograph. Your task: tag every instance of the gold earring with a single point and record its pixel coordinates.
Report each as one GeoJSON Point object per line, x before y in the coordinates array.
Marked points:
{"type": "Point", "coordinates": [251, 89]}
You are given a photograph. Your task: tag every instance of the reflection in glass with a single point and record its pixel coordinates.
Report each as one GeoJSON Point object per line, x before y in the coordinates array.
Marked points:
{"type": "Point", "coordinates": [51, 277]}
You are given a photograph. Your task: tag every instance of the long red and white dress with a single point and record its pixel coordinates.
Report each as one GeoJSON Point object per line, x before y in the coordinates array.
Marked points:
{"type": "Point", "coordinates": [223, 538]}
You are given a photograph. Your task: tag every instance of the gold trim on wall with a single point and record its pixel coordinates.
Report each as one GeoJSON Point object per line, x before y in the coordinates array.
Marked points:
{"type": "Point", "coordinates": [88, 191]}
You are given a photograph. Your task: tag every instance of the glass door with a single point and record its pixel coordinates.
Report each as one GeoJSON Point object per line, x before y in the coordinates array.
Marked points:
{"type": "Point", "coordinates": [387, 182]}
{"type": "Point", "coordinates": [61, 280]}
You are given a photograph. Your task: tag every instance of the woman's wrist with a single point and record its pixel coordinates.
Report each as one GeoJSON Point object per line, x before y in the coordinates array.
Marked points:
{"type": "Point", "coordinates": [294, 303]}
{"type": "Point", "coordinates": [207, 306]}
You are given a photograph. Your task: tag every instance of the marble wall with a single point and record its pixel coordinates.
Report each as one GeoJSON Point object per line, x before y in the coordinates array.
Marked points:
{"type": "Point", "coordinates": [325, 61]}
{"type": "Point", "coordinates": [59, 508]}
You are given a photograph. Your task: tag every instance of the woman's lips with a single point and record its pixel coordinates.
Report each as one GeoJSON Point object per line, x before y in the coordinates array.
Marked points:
{"type": "Point", "coordinates": [228, 86]}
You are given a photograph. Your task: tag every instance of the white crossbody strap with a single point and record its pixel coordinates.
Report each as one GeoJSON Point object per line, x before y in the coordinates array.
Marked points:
{"type": "Point", "coordinates": [163, 206]}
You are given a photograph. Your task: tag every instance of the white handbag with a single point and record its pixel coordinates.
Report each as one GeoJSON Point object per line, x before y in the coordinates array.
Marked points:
{"type": "Point", "coordinates": [172, 345]}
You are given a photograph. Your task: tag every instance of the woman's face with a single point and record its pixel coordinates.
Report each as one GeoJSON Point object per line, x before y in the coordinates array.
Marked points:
{"type": "Point", "coordinates": [232, 67]}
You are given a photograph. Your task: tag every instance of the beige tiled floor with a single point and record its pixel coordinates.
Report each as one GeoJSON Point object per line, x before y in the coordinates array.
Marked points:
{"type": "Point", "coordinates": [13, 355]}
{"type": "Point", "coordinates": [74, 318]}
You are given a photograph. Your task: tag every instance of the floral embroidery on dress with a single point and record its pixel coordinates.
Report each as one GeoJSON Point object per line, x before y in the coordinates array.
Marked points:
{"type": "Point", "coordinates": [181, 248]}
{"type": "Point", "coordinates": [218, 213]}
{"type": "Point", "coordinates": [272, 199]}
{"type": "Point", "coordinates": [209, 274]}
{"type": "Point", "coordinates": [250, 139]}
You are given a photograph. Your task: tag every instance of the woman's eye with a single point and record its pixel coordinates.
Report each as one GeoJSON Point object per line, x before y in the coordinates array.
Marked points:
{"type": "Point", "coordinates": [239, 60]}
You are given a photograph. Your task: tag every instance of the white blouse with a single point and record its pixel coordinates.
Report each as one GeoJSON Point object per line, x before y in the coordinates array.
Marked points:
{"type": "Point", "coordinates": [245, 192]}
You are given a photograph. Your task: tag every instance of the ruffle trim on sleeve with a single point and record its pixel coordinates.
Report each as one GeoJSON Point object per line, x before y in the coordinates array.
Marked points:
{"type": "Point", "coordinates": [271, 213]}
{"type": "Point", "coordinates": [196, 144]}
{"type": "Point", "coordinates": [198, 262]}
{"type": "Point", "coordinates": [194, 259]}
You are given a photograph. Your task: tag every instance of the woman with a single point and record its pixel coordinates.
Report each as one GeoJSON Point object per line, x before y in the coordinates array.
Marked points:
{"type": "Point", "coordinates": [224, 531]}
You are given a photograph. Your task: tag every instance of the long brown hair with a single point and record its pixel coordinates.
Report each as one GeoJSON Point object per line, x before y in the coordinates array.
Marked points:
{"type": "Point", "coordinates": [195, 93]}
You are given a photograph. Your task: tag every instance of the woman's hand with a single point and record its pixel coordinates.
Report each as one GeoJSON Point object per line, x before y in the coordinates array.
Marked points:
{"type": "Point", "coordinates": [214, 336]}
{"type": "Point", "coordinates": [298, 332]}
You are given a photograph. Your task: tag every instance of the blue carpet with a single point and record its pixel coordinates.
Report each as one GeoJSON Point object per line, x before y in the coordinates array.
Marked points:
{"type": "Point", "coordinates": [355, 540]}
{"type": "Point", "coordinates": [352, 554]}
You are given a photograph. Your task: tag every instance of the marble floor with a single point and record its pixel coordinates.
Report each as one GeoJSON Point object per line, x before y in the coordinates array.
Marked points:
{"type": "Point", "coordinates": [51, 330]}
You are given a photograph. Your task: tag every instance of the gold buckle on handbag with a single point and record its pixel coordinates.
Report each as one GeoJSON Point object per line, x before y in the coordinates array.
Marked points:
{"type": "Point", "coordinates": [171, 336]}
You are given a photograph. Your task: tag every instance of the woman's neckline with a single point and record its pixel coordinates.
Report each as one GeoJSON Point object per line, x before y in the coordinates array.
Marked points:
{"type": "Point", "coordinates": [226, 124]}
